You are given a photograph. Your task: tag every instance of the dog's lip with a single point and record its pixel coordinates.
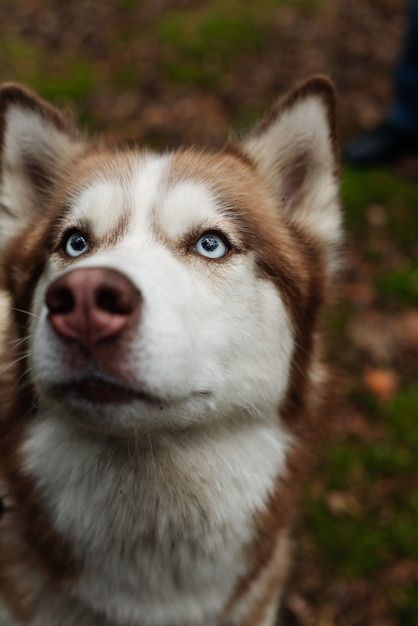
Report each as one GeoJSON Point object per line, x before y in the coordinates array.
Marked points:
{"type": "Point", "coordinates": [99, 390]}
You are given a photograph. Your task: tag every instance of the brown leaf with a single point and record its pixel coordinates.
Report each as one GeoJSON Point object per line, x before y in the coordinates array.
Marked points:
{"type": "Point", "coordinates": [383, 383]}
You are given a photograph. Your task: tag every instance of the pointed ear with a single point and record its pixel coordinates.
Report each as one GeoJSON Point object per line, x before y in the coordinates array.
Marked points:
{"type": "Point", "coordinates": [295, 151]}
{"type": "Point", "coordinates": [36, 146]}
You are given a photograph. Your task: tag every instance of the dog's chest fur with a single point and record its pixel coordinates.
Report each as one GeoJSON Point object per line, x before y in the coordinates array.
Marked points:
{"type": "Point", "coordinates": [162, 534]}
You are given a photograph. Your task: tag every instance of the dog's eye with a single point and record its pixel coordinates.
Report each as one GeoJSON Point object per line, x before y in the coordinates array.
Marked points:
{"type": "Point", "coordinates": [76, 244]}
{"type": "Point", "coordinates": [212, 246]}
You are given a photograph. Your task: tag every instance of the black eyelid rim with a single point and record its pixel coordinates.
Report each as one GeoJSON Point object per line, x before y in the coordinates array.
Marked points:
{"type": "Point", "coordinates": [218, 233]}
{"type": "Point", "coordinates": [194, 238]}
{"type": "Point", "coordinates": [83, 231]}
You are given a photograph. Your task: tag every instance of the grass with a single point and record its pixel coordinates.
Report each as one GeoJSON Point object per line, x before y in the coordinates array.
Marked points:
{"type": "Point", "coordinates": [400, 285]}
{"type": "Point", "coordinates": [201, 44]}
{"type": "Point", "coordinates": [377, 476]}
{"type": "Point", "coordinates": [397, 197]}
{"type": "Point", "coordinates": [364, 539]}
{"type": "Point", "coordinates": [59, 78]}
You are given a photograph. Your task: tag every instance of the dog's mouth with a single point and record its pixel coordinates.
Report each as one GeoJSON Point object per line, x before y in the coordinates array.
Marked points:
{"type": "Point", "coordinates": [98, 390]}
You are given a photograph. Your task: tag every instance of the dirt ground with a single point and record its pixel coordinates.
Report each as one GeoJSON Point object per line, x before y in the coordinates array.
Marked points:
{"type": "Point", "coordinates": [164, 72]}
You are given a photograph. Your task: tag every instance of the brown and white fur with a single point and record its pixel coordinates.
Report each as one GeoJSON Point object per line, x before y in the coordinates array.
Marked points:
{"type": "Point", "coordinates": [161, 491]}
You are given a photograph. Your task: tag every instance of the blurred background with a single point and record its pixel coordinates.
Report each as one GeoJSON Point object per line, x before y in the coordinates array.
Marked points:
{"type": "Point", "coordinates": [164, 72]}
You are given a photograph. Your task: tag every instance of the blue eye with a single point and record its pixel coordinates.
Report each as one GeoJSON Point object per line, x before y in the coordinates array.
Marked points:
{"type": "Point", "coordinates": [76, 244]}
{"type": "Point", "coordinates": [212, 246]}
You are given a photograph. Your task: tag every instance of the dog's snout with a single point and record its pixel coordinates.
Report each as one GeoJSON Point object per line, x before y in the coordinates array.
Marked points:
{"type": "Point", "coordinates": [92, 304]}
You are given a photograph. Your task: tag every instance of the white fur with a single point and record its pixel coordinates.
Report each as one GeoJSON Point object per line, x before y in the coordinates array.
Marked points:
{"type": "Point", "coordinates": [186, 207]}
{"type": "Point", "coordinates": [185, 505]}
{"type": "Point", "coordinates": [107, 196]}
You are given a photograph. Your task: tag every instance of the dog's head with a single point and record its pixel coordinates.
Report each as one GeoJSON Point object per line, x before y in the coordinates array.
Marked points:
{"type": "Point", "coordinates": [165, 290]}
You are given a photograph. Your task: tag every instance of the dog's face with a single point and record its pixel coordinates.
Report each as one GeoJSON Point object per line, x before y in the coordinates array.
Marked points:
{"type": "Point", "coordinates": [164, 291]}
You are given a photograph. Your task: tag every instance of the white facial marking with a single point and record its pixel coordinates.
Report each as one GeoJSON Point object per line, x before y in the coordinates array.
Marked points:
{"type": "Point", "coordinates": [187, 206]}
{"type": "Point", "coordinates": [102, 204]}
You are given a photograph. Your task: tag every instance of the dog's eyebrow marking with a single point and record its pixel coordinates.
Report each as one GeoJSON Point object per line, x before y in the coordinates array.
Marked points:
{"type": "Point", "coordinates": [106, 207]}
{"type": "Point", "coordinates": [186, 206]}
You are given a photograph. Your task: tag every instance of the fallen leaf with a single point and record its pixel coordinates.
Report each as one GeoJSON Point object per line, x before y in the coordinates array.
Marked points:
{"type": "Point", "coordinates": [383, 383]}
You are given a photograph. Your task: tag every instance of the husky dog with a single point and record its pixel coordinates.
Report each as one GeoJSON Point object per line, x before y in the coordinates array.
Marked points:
{"type": "Point", "coordinates": [161, 382]}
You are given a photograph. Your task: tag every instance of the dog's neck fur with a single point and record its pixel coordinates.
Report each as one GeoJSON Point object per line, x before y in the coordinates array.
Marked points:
{"type": "Point", "coordinates": [168, 522]}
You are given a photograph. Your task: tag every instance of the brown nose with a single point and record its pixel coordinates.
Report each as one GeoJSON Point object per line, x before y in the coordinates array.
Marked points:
{"type": "Point", "coordinates": [92, 304]}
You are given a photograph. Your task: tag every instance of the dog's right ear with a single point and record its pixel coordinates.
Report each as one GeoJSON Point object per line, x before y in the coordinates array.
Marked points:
{"type": "Point", "coordinates": [36, 146]}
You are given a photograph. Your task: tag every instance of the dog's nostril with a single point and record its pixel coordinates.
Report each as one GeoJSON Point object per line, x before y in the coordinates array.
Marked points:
{"type": "Point", "coordinates": [116, 300]}
{"type": "Point", "coordinates": [107, 300]}
{"type": "Point", "coordinates": [60, 300]}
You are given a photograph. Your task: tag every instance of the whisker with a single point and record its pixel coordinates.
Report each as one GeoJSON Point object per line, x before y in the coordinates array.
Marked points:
{"type": "Point", "coordinates": [11, 365]}
{"type": "Point", "coordinates": [24, 311]}
{"type": "Point", "coordinates": [16, 342]}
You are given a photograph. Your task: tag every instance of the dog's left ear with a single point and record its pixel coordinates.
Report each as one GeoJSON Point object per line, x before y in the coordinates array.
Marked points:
{"type": "Point", "coordinates": [295, 151]}
{"type": "Point", "coordinates": [36, 146]}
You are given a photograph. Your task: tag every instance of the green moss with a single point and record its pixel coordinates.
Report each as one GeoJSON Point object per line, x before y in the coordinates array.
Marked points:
{"type": "Point", "coordinates": [126, 77]}
{"type": "Point", "coordinates": [200, 45]}
{"type": "Point", "coordinates": [363, 540]}
{"type": "Point", "coordinates": [71, 83]}
{"type": "Point", "coordinates": [343, 466]}
{"type": "Point", "coordinates": [128, 4]}
{"type": "Point", "coordinates": [386, 458]}
{"type": "Point", "coordinates": [20, 59]}
{"type": "Point", "coordinates": [405, 602]}
{"type": "Point", "coordinates": [400, 286]}
{"type": "Point", "coordinates": [399, 197]}
{"type": "Point", "coordinates": [402, 418]}
{"type": "Point", "coordinates": [348, 545]}
{"type": "Point", "coordinates": [360, 542]}
{"type": "Point", "coordinates": [56, 77]}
